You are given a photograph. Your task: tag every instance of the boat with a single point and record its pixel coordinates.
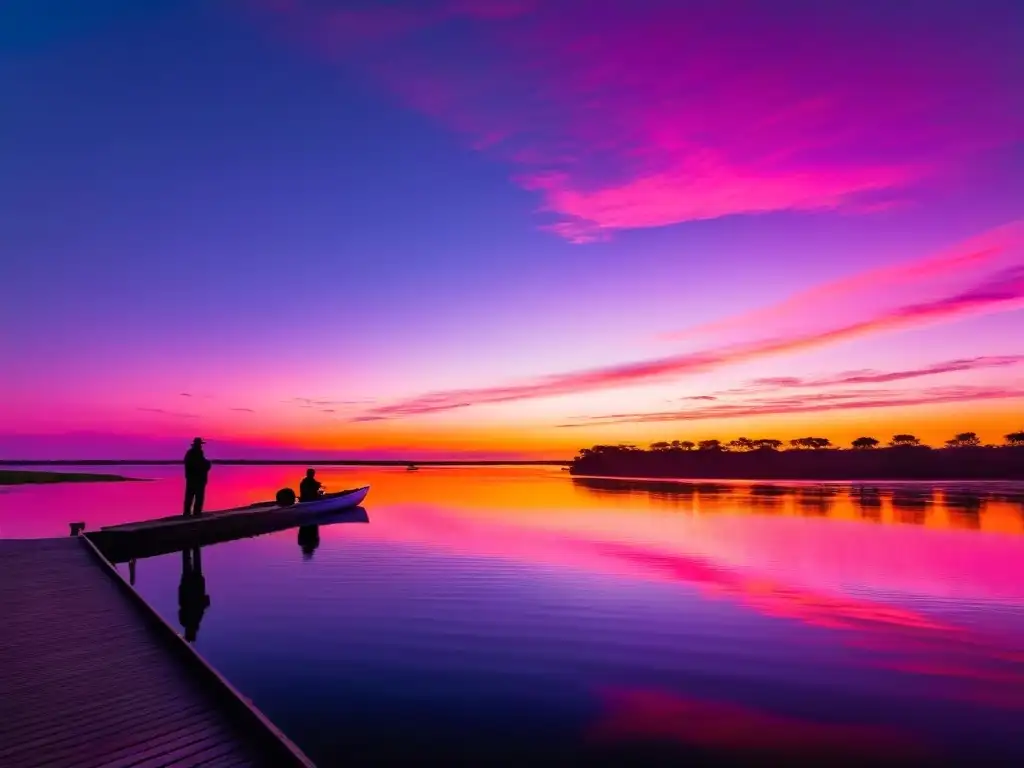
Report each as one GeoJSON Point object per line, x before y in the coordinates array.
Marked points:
{"type": "Point", "coordinates": [332, 502]}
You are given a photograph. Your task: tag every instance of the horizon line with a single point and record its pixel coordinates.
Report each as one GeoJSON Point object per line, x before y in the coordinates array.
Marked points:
{"type": "Point", "coordinates": [336, 462]}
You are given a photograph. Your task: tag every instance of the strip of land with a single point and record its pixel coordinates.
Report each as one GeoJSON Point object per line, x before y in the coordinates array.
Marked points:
{"type": "Point", "coordinates": [899, 463]}
{"type": "Point", "coordinates": [26, 477]}
{"type": "Point", "coordinates": [313, 462]}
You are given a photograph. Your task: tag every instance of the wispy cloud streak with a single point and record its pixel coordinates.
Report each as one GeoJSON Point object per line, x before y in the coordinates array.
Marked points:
{"type": "Point", "coordinates": [810, 404]}
{"type": "Point", "coordinates": [875, 377]}
{"type": "Point", "coordinates": [1002, 289]}
{"type": "Point", "coordinates": [970, 260]}
{"type": "Point", "coordinates": [165, 412]}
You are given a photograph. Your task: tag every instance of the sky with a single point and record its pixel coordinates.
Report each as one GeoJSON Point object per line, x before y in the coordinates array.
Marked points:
{"type": "Point", "coordinates": [506, 228]}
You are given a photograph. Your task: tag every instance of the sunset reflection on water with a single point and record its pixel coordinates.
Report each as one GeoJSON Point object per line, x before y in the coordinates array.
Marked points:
{"type": "Point", "coordinates": [748, 618]}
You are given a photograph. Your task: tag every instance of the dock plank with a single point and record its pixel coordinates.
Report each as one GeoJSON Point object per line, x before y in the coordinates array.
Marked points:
{"type": "Point", "coordinates": [90, 681]}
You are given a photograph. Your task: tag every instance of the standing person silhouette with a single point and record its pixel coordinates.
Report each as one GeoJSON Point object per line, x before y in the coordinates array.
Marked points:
{"type": "Point", "coordinates": [197, 468]}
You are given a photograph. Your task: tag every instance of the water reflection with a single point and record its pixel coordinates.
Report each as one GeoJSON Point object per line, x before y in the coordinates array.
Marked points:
{"type": "Point", "coordinates": [192, 598]}
{"type": "Point", "coordinates": [995, 507]}
{"type": "Point", "coordinates": [493, 613]}
{"type": "Point", "coordinates": [749, 735]}
{"type": "Point", "coordinates": [816, 499]}
{"type": "Point", "coordinates": [309, 540]}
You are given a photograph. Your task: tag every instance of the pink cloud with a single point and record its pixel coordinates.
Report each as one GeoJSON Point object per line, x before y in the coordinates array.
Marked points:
{"type": "Point", "coordinates": [820, 402]}
{"type": "Point", "coordinates": [1000, 246]}
{"type": "Point", "coordinates": [621, 117]}
{"type": "Point", "coordinates": [874, 308]}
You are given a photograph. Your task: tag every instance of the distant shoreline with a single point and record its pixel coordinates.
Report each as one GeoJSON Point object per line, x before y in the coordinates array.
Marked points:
{"type": "Point", "coordinates": [901, 463]}
{"type": "Point", "coordinates": [281, 462]}
{"type": "Point", "coordinates": [27, 477]}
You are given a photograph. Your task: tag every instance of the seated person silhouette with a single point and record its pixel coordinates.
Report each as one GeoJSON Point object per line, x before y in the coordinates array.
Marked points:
{"type": "Point", "coordinates": [310, 489]}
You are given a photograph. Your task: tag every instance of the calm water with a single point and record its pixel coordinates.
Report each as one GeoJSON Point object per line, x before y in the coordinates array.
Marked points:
{"type": "Point", "coordinates": [509, 615]}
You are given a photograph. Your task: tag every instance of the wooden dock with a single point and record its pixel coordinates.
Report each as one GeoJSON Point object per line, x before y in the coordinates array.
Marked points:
{"type": "Point", "coordinates": [146, 538]}
{"type": "Point", "coordinates": [91, 676]}
{"type": "Point", "coordinates": [122, 546]}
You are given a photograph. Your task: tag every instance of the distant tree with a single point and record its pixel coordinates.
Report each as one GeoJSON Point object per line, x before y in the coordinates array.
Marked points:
{"type": "Point", "coordinates": [964, 440]}
{"type": "Point", "coordinates": [660, 446]}
{"type": "Point", "coordinates": [687, 445]}
{"type": "Point", "coordinates": [904, 441]}
{"type": "Point", "coordinates": [767, 444]}
{"type": "Point", "coordinates": [1015, 438]}
{"type": "Point", "coordinates": [709, 445]}
{"type": "Point", "coordinates": [742, 444]}
{"type": "Point", "coordinates": [626, 447]}
{"type": "Point", "coordinates": [599, 450]}
{"type": "Point", "coordinates": [864, 443]}
{"type": "Point", "coordinates": [812, 443]}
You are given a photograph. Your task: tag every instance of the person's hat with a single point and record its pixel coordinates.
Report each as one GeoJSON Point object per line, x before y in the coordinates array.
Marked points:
{"type": "Point", "coordinates": [198, 441]}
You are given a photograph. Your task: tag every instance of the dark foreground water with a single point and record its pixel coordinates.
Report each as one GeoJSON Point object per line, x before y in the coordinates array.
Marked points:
{"type": "Point", "coordinates": [513, 616]}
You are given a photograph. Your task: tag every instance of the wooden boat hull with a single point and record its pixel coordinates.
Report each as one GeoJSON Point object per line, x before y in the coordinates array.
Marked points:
{"type": "Point", "coordinates": [334, 502]}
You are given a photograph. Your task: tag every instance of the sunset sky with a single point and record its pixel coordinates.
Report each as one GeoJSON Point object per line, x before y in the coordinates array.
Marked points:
{"type": "Point", "coordinates": [506, 228]}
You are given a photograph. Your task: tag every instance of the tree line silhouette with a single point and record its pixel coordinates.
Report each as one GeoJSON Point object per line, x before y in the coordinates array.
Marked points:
{"type": "Point", "coordinates": [906, 457]}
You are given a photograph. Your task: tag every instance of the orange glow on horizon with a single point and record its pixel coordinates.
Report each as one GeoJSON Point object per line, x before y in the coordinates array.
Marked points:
{"type": "Point", "coordinates": [525, 443]}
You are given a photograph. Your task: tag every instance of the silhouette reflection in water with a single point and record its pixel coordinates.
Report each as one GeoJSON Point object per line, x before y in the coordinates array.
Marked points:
{"type": "Point", "coordinates": [986, 506]}
{"type": "Point", "coordinates": [192, 598]}
{"type": "Point", "coordinates": [965, 501]}
{"type": "Point", "coordinates": [309, 540]}
{"type": "Point", "coordinates": [816, 499]}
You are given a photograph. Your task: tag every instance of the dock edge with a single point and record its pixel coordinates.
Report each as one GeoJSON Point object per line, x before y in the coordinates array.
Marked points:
{"type": "Point", "coordinates": [233, 700]}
